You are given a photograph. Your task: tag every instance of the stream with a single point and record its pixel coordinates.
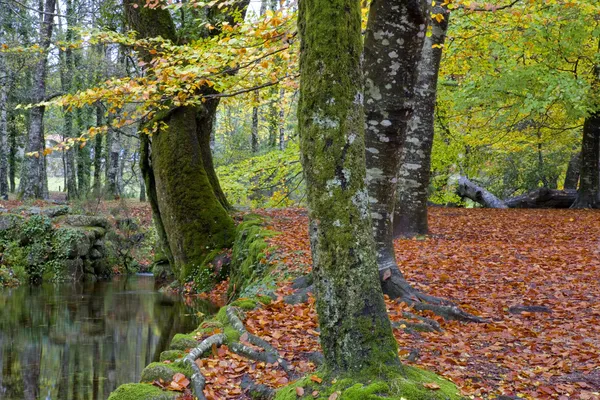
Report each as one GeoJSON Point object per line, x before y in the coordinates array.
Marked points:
{"type": "Point", "coordinates": [80, 341]}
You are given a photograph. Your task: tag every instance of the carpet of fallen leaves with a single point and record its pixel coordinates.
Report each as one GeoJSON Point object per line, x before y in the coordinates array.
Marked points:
{"type": "Point", "coordinates": [487, 261]}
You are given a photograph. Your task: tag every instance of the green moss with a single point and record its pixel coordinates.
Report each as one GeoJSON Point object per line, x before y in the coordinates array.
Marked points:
{"type": "Point", "coordinates": [246, 304]}
{"type": "Point", "coordinates": [406, 383]}
{"type": "Point", "coordinates": [141, 391]}
{"type": "Point", "coordinates": [231, 334]}
{"type": "Point", "coordinates": [249, 263]}
{"type": "Point", "coordinates": [183, 342]}
{"type": "Point", "coordinates": [158, 371]}
{"type": "Point", "coordinates": [172, 355]}
{"type": "Point", "coordinates": [266, 300]}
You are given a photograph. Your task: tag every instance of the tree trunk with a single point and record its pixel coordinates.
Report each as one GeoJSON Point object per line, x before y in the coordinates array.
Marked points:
{"type": "Point", "coordinates": [190, 219]}
{"type": "Point", "coordinates": [194, 220]}
{"type": "Point", "coordinates": [540, 198]}
{"type": "Point", "coordinates": [254, 128]}
{"type": "Point", "coordinates": [587, 196]}
{"type": "Point", "coordinates": [12, 160]}
{"type": "Point", "coordinates": [112, 167]}
{"type": "Point", "coordinates": [410, 217]}
{"type": "Point", "coordinates": [355, 329]}
{"type": "Point", "coordinates": [33, 175]}
{"type": "Point", "coordinates": [468, 189]}
{"type": "Point", "coordinates": [4, 84]}
{"type": "Point", "coordinates": [204, 124]}
{"type": "Point", "coordinates": [66, 78]}
{"type": "Point", "coordinates": [84, 163]}
{"type": "Point", "coordinates": [120, 177]}
{"type": "Point", "coordinates": [97, 186]}
{"type": "Point", "coordinates": [572, 175]}
{"type": "Point", "coordinates": [281, 120]}
{"type": "Point", "coordinates": [388, 108]}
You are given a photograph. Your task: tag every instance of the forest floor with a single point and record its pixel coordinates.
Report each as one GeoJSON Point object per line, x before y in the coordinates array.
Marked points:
{"type": "Point", "coordinates": [488, 261]}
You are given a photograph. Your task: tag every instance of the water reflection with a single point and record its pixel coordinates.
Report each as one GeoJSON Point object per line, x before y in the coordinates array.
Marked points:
{"type": "Point", "coordinates": [79, 342]}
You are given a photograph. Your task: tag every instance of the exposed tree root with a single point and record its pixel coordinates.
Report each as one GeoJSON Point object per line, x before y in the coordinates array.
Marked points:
{"type": "Point", "coordinates": [396, 287]}
{"type": "Point", "coordinates": [197, 379]}
{"type": "Point", "coordinates": [268, 355]}
{"type": "Point", "coordinates": [255, 390]}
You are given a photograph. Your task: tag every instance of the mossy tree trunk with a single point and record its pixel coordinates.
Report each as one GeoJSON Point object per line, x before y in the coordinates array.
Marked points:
{"type": "Point", "coordinates": [194, 220]}
{"type": "Point", "coordinates": [204, 125]}
{"type": "Point", "coordinates": [410, 215]}
{"type": "Point", "coordinates": [355, 330]}
{"type": "Point", "coordinates": [188, 204]}
{"type": "Point", "coordinates": [97, 185]}
{"type": "Point", "coordinates": [393, 45]}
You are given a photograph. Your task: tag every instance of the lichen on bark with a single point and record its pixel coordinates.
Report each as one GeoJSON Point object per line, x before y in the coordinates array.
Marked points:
{"type": "Point", "coordinates": [355, 330]}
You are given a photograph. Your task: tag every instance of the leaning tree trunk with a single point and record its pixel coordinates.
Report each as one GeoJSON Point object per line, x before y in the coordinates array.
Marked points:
{"type": "Point", "coordinates": [468, 189]}
{"type": "Point", "coordinates": [3, 129]}
{"type": "Point", "coordinates": [194, 220]}
{"type": "Point", "coordinates": [587, 196]}
{"type": "Point", "coordinates": [392, 47]}
{"type": "Point", "coordinates": [410, 216]}
{"type": "Point", "coordinates": [33, 175]}
{"type": "Point", "coordinates": [539, 198]}
{"type": "Point", "coordinates": [355, 329]}
{"type": "Point", "coordinates": [572, 175]}
{"type": "Point", "coordinates": [189, 216]}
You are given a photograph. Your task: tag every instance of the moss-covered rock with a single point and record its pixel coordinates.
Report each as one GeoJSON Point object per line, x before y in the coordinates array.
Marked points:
{"type": "Point", "coordinates": [183, 342]}
{"type": "Point", "coordinates": [158, 370]}
{"type": "Point", "coordinates": [172, 355]}
{"type": "Point", "coordinates": [409, 383]}
{"type": "Point", "coordinates": [141, 391]}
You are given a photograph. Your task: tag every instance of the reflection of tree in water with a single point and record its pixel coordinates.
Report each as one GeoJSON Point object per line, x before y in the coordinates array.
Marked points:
{"type": "Point", "coordinates": [80, 341]}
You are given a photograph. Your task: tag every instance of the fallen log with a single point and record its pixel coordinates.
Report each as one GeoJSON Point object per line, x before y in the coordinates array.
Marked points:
{"type": "Point", "coordinates": [539, 198]}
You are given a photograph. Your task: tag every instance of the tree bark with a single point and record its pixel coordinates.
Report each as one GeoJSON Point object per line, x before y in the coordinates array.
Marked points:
{"type": "Point", "coordinates": [281, 120]}
{"type": "Point", "coordinates": [97, 185]}
{"type": "Point", "coordinates": [392, 50]}
{"type": "Point", "coordinates": [66, 78]}
{"type": "Point", "coordinates": [204, 125]}
{"type": "Point", "coordinates": [4, 84]}
{"type": "Point", "coordinates": [468, 189]}
{"type": "Point", "coordinates": [254, 128]}
{"type": "Point", "coordinates": [112, 167]}
{"type": "Point", "coordinates": [572, 175]}
{"type": "Point", "coordinates": [587, 196]}
{"type": "Point", "coordinates": [410, 216]}
{"type": "Point", "coordinates": [540, 198]}
{"type": "Point", "coordinates": [190, 218]}
{"type": "Point", "coordinates": [12, 160]}
{"type": "Point", "coordinates": [33, 175]}
{"type": "Point", "coordinates": [355, 329]}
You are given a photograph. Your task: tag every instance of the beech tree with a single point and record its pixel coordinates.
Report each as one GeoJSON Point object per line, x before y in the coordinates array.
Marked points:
{"type": "Point", "coordinates": [355, 330]}
{"type": "Point", "coordinates": [410, 214]}
{"type": "Point", "coordinates": [189, 207]}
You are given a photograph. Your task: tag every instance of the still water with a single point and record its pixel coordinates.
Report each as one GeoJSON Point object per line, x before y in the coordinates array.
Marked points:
{"type": "Point", "coordinates": [80, 341]}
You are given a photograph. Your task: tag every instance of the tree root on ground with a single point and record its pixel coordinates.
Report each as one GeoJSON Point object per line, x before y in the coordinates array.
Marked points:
{"type": "Point", "coordinates": [269, 355]}
{"type": "Point", "coordinates": [396, 287]}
